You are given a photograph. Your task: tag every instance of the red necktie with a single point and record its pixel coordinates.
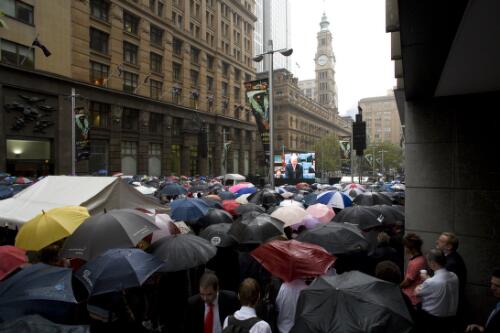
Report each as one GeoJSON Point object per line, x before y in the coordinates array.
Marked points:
{"type": "Point", "coordinates": [209, 319]}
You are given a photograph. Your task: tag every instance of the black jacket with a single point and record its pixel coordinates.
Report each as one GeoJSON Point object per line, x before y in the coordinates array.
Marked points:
{"type": "Point", "coordinates": [455, 264]}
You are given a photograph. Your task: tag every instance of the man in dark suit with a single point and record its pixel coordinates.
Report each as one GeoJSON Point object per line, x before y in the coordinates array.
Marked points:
{"type": "Point", "coordinates": [493, 321]}
{"type": "Point", "coordinates": [207, 310]}
{"type": "Point", "coordinates": [293, 169]}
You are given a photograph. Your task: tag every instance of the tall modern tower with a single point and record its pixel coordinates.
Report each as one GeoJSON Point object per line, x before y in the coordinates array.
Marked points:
{"type": "Point", "coordinates": [326, 88]}
{"type": "Point", "coordinates": [273, 23]}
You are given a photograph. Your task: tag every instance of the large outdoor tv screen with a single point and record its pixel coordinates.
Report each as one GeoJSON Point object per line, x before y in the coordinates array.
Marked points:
{"type": "Point", "coordinates": [295, 166]}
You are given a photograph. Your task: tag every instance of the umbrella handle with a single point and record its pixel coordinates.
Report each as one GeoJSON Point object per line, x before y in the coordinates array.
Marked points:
{"type": "Point", "coordinates": [127, 307]}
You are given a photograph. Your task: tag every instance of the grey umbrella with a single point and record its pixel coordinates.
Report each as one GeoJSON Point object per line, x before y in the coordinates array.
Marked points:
{"type": "Point", "coordinates": [352, 302]}
{"type": "Point", "coordinates": [119, 228]}
{"type": "Point", "coordinates": [182, 251]}
{"type": "Point", "coordinates": [217, 235]}
{"type": "Point", "coordinates": [256, 228]}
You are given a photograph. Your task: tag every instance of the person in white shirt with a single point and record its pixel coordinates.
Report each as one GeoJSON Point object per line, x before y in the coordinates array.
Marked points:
{"type": "Point", "coordinates": [286, 303]}
{"type": "Point", "coordinates": [249, 294]}
{"type": "Point", "coordinates": [439, 295]}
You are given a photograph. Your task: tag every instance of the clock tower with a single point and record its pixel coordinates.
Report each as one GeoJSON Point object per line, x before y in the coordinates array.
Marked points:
{"type": "Point", "coordinates": [326, 88]}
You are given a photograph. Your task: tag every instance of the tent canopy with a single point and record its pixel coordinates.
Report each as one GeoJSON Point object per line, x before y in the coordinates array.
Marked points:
{"type": "Point", "coordinates": [94, 193]}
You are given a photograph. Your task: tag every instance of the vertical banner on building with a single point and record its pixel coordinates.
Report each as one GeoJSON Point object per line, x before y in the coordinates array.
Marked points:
{"type": "Point", "coordinates": [345, 154]}
{"type": "Point", "coordinates": [258, 98]}
{"type": "Point", "coordinates": [82, 142]}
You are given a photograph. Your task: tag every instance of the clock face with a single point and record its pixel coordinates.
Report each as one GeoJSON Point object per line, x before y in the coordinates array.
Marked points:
{"type": "Point", "coordinates": [322, 60]}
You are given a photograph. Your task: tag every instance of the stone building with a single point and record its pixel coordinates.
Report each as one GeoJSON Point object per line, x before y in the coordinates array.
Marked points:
{"type": "Point", "coordinates": [159, 81]}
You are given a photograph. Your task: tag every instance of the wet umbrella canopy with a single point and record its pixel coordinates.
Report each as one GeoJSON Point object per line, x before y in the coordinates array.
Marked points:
{"type": "Point", "coordinates": [372, 198]}
{"type": "Point", "coordinates": [265, 198]}
{"type": "Point", "coordinates": [214, 216]}
{"type": "Point", "coordinates": [256, 228]}
{"type": "Point", "coordinates": [352, 302]}
{"type": "Point", "coordinates": [363, 216]}
{"type": "Point", "coordinates": [217, 235]}
{"type": "Point", "coordinates": [243, 209]}
{"type": "Point", "coordinates": [173, 189]}
{"type": "Point", "coordinates": [188, 209]}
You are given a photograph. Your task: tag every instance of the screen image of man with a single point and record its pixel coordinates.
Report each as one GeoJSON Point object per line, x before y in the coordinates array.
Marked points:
{"type": "Point", "coordinates": [293, 169]}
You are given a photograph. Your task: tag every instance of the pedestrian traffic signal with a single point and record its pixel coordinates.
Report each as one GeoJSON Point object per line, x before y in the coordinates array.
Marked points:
{"type": "Point", "coordinates": [359, 135]}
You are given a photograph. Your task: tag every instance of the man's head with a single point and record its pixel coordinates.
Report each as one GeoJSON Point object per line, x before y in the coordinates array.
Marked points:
{"type": "Point", "coordinates": [209, 287]}
{"type": "Point", "coordinates": [294, 160]}
{"type": "Point", "coordinates": [495, 282]}
{"type": "Point", "coordinates": [447, 242]}
{"type": "Point", "coordinates": [413, 243]}
{"type": "Point", "coordinates": [388, 271]}
{"type": "Point", "coordinates": [436, 259]}
{"type": "Point", "coordinates": [249, 292]}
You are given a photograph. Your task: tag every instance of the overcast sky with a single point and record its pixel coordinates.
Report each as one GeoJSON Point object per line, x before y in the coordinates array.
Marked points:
{"type": "Point", "coordinates": [360, 43]}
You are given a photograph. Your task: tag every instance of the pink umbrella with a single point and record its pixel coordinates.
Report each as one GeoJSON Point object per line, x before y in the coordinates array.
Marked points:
{"type": "Point", "coordinates": [166, 225]}
{"type": "Point", "coordinates": [308, 221]}
{"type": "Point", "coordinates": [322, 212]}
{"type": "Point", "coordinates": [354, 186]}
{"type": "Point", "coordinates": [23, 180]}
{"type": "Point", "coordinates": [237, 187]}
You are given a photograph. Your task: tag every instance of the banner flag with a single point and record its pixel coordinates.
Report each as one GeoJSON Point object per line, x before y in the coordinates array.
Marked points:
{"type": "Point", "coordinates": [258, 98]}
{"type": "Point", "coordinates": [345, 154]}
{"type": "Point", "coordinates": [82, 142]}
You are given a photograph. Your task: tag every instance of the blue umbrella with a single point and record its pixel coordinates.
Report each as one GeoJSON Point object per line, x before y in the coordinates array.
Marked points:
{"type": "Point", "coordinates": [188, 209]}
{"type": "Point", "coordinates": [226, 195]}
{"type": "Point", "coordinates": [173, 189]}
{"type": "Point", "coordinates": [117, 269]}
{"type": "Point", "coordinates": [334, 199]}
{"type": "Point", "coordinates": [310, 199]}
{"type": "Point", "coordinates": [6, 192]}
{"type": "Point", "coordinates": [37, 289]}
{"type": "Point", "coordinates": [245, 190]}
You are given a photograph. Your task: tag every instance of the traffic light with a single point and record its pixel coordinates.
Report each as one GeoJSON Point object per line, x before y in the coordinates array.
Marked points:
{"type": "Point", "coordinates": [359, 135]}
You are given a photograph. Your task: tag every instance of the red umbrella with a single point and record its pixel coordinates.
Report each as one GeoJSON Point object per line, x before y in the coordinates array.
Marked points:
{"type": "Point", "coordinates": [230, 206]}
{"type": "Point", "coordinates": [23, 180]}
{"type": "Point", "coordinates": [11, 258]}
{"type": "Point", "coordinates": [290, 260]}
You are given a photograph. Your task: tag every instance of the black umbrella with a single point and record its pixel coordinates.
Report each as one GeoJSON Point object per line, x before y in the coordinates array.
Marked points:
{"type": "Point", "coordinates": [265, 198]}
{"type": "Point", "coordinates": [118, 228]}
{"type": "Point", "coordinates": [336, 238]}
{"type": "Point", "coordinates": [256, 228]}
{"type": "Point", "coordinates": [372, 198]}
{"type": "Point", "coordinates": [226, 195]}
{"type": "Point", "coordinates": [173, 189]}
{"type": "Point", "coordinates": [37, 289]}
{"type": "Point", "coordinates": [200, 187]}
{"type": "Point", "coordinates": [310, 199]}
{"type": "Point", "coordinates": [392, 214]}
{"type": "Point", "coordinates": [363, 216]}
{"type": "Point", "coordinates": [214, 216]}
{"type": "Point", "coordinates": [38, 324]}
{"type": "Point", "coordinates": [351, 302]}
{"type": "Point", "coordinates": [217, 235]}
{"type": "Point", "coordinates": [182, 251]}
{"type": "Point", "coordinates": [212, 203]}
{"type": "Point", "coordinates": [243, 209]}
{"type": "Point", "coordinates": [215, 187]}
{"type": "Point", "coordinates": [290, 188]}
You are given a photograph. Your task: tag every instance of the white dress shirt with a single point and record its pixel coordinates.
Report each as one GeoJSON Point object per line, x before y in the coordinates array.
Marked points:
{"type": "Point", "coordinates": [439, 294]}
{"type": "Point", "coordinates": [247, 312]}
{"type": "Point", "coordinates": [286, 303]}
{"type": "Point", "coordinates": [216, 328]}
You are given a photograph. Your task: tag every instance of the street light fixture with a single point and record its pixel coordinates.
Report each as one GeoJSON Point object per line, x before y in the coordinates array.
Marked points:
{"type": "Point", "coordinates": [258, 58]}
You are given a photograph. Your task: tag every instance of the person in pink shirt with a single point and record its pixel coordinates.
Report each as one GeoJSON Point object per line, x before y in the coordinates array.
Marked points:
{"type": "Point", "coordinates": [413, 248]}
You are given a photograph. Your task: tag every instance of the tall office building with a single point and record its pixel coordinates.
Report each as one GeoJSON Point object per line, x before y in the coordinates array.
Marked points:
{"type": "Point", "coordinates": [273, 23]}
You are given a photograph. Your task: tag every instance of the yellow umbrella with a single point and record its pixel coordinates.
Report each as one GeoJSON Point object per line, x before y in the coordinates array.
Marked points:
{"type": "Point", "coordinates": [50, 226]}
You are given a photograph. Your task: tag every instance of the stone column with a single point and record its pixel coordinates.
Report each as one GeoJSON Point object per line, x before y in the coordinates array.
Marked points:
{"type": "Point", "coordinates": [143, 144]}
{"type": "Point", "coordinates": [115, 162]}
{"type": "Point", "coordinates": [218, 150]}
{"type": "Point", "coordinates": [253, 155]}
{"type": "Point", "coordinates": [166, 145]}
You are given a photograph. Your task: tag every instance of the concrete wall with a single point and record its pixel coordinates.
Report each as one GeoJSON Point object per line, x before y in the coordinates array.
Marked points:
{"type": "Point", "coordinates": [453, 184]}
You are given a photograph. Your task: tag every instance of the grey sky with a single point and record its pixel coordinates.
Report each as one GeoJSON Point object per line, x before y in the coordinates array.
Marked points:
{"type": "Point", "coordinates": [361, 45]}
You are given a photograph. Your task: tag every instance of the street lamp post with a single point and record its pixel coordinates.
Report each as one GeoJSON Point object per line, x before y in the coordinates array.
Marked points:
{"type": "Point", "coordinates": [286, 52]}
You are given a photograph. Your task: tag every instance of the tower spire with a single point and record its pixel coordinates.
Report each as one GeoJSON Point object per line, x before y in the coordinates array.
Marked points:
{"type": "Point", "coordinates": [324, 22]}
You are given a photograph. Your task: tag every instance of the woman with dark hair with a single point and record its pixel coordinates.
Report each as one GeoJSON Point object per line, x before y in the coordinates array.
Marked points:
{"type": "Point", "coordinates": [416, 262]}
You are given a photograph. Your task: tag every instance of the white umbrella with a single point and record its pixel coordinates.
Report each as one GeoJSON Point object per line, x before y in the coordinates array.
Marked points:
{"type": "Point", "coordinates": [243, 199]}
{"type": "Point", "coordinates": [166, 225]}
{"type": "Point", "coordinates": [291, 202]}
{"type": "Point", "coordinates": [289, 215]}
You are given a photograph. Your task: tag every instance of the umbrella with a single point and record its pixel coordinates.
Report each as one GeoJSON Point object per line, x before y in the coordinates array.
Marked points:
{"type": "Point", "coordinates": [310, 199]}
{"type": "Point", "coordinates": [351, 302]}
{"type": "Point", "coordinates": [290, 260]}
{"type": "Point", "coordinates": [392, 214]}
{"type": "Point", "coordinates": [265, 198]}
{"type": "Point", "coordinates": [230, 206]}
{"type": "Point", "coordinates": [11, 258]}
{"type": "Point", "coordinates": [145, 189]}
{"type": "Point", "coordinates": [290, 188]}
{"type": "Point", "coordinates": [182, 251]}
{"type": "Point", "coordinates": [188, 209]}
{"type": "Point", "coordinates": [166, 225]}
{"type": "Point", "coordinates": [117, 269]}
{"type": "Point", "coordinates": [214, 197]}
{"type": "Point", "coordinates": [243, 199]}
{"type": "Point", "coordinates": [308, 222]}
{"type": "Point", "coordinates": [212, 203]}
{"type": "Point", "coordinates": [214, 216]}
{"type": "Point", "coordinates": [199, 187]}
{"type": "Point", "coordinates": [372, 198]}
{"type": "Point", "coordinates": [287, 195]}
{"type": "Point", "coordinates": [37, 324]}
{"type": "Point", "coordinates": [41, 289]}
{"type": "Point", "coordinates": [363, 216]}
{"type": "Point", "coordinates": [336, 238]}
{"type": "Point", "coordinates": [23, 180]}
{"type": "Point", "coordinates": [353, 192]}
{"type": "Point", "coordinates": [354, 186]}
{"type": "Point", "coordinates": [239, 186]}
{"type": "Point", "coordinates": [303, 186]}
{"type": "Point", "coordinates": [118, 228]}
{"type": "Point", "coordinates": [289, 215]}
{"type": "Point", "coordinates": [322, 212]}
{"type": "Point", "coordinates": [215, 187]}
{"type": "Point", "coordinates": [245, 190]}
{"type": "Point", "coordinates": [226, 195]}
{"type": "Point", "coordinates": [334, 199]}
{"type": "Point", "coordinates": [173, 189]}
{"type": "Point", "coordinates": [6, 192]}
{"type": "Point", "coordinates": [398, 187]}
{"type": "Point", "coordinates": [50, 226]}
{"type": "Point", "coordinates": [217, 235]}
{"type": "Point", "coordinates": [243, 209]}
{"type": "Point", "coordinates": [256, 228]}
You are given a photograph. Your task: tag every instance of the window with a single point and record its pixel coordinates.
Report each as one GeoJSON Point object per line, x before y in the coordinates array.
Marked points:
{"type": "Point", "coordinates": [156, 61]}
{"type": "Point", "coordinates": [130, 81]}
{"type": "Point", "coordinates": [17, 54]}
{"type": "Point", "coordinates": [154, 160]}
{"type": "Point", "coordinates": [130, 119]}
{"type": "Point", "coordinates": [177, 46]}
{"type": "Point", "coordinates": [99, 115]}
{"type": "Point", "coordinates": [155, 122]}
{"type": "Point", "coordinates": [130, 53]}
{"type": "Point", "coordinates": [210, 62]}
{"type": "Point", "coordinates": [99, 41]}
{"type": "Point", "coordinates": [156, 35]}
{"type": "Point", "coordinates": [177, 19]}
{"type": "Point", "coordinates": [176, 71]}
{"type": "Point", "coordinates": [159, 9]}
{"type": "Point", "coordinates": [155, 88]}
{"type": "Point", "coordinates": [225, 69]}
{"type": "Point", "coordinates": [175, 159]}
{"type": "Point", "coordinates": [99, 73]}
{"type": "Point", "coordinates": [210, 84]}
{"type": "Point", "coordinates": [176, 126]}
{"type": "Point", "coordinates": [130, 23]}
{"type": "Point", "coordinates": [17, 9]}
{"type": "Point", "coordinates": [194, 78]}
{"type": "Point", "coordinates": [98, 155]}
{"type": "Point", "coordinates": [195, 55]}
{"type": "Point", "coordinates": [152, 4]}
{"type": "Point", "coordinates": [129, 157]}
{"type": "Point", "coordinates": [237, 97]}
{"type": "Point", "coordinates": [237, 75]}
{"type": "Point", "coordinates": [99, 9]}
{"type": "Point", "coordinates": [224, 89]}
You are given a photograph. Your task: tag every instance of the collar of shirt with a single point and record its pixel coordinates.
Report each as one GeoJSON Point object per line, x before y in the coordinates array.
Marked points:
{"type": "Point", "coordinates": [247, 312]}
